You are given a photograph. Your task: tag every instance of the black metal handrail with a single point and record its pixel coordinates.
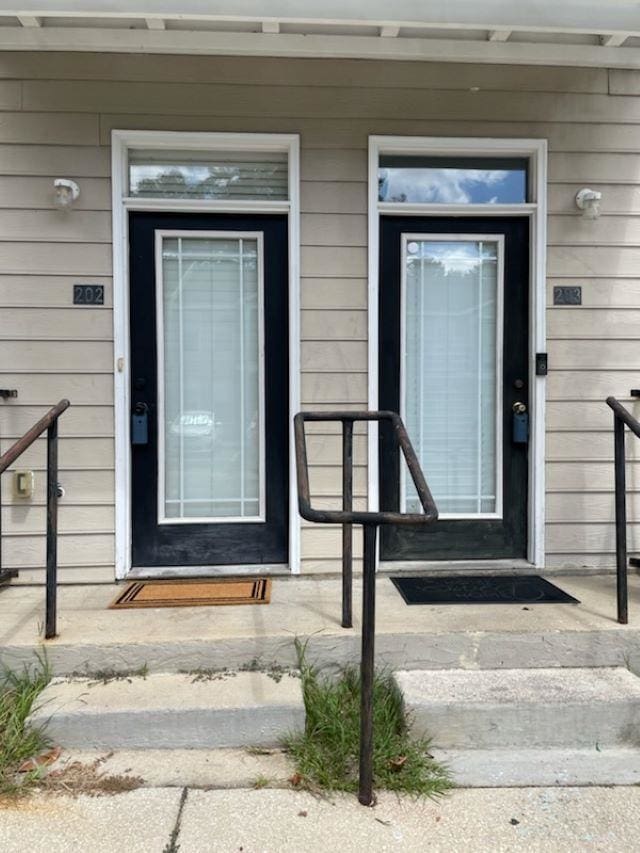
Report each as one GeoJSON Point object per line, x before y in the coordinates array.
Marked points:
{"type": "Point", "coordinates": [49, 423]}
{"type": "Point", "coordinates": [621, 418]}
{"type": "Point", "coordinates": [370, 521]}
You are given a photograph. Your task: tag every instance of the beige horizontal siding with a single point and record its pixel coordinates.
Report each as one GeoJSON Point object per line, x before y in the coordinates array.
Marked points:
{"type": "Point", "coordinates": [133, 98]}
{"type": "Point", "coordinates": [334, 293]}
{"type": "Point", "coordinates": [36, 193]}
{"type": "Point", "coordinates": [86, 226]}
{"type": "Point", "coordinates": [74, 549]}
{"type": "Point", "coordinates": [82, 161]}
{"type": "Point", "coordinates": [602, 292]}
{"type": "Point", "coordinates": [47, 291]}
{"type": "Point", "coordinates": [581, 354]}
{"type": "Point", "coordinates": [64, 357]}
{"type": "Point", "coordinates": [306, 73]}
{"type": "Point", "coordinates": [594, 323]}
{"type": "Point", "coordinates": [74, 454]}
{"type": "Point", "coordinates": [72, 518]}
{"type": "Point", "coordinates": [586, 475]}
{"type": "Point", "coordinates": [42, 389]}
{"type": "Point", "coordinates": [59, 323]}
{"type": "Point", "coordinates": [80, 421]}
{"type": "Point", "coordinates": [354, 132]}
{"type": "Point", "coordinates": [56, 115]}
{"type": "Point", "coordinates": [81, 487]}
{"type": "Point", "coordinates": [578, 415]}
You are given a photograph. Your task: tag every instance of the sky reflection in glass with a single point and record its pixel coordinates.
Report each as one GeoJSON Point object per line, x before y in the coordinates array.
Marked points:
{"type": "Point", "coordinates": [445, 184]}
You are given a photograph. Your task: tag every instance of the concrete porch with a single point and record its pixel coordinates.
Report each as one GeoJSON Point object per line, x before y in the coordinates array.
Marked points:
{"type": "Point", "coordinates": [93, 638]}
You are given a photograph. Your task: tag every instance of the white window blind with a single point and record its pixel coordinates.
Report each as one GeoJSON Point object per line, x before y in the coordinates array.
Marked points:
{"type": "Point", "coordinates": [211, 379]}
{"type": "Point", "coordinates": [450, 364]}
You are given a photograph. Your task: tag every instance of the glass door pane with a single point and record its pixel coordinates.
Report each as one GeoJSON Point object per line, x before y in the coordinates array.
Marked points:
{"type": "Point", "coordinates": [452, 353]}
{"type": "Point", "coordinates": [210, 380]}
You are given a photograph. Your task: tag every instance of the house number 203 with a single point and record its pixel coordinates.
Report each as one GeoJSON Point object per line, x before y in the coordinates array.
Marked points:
{"type": "Point", "coordinates": [88, 294]}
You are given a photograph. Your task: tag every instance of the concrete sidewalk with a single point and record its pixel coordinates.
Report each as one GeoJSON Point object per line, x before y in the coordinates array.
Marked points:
{"type": "Point", "coordinates": [174, 820]}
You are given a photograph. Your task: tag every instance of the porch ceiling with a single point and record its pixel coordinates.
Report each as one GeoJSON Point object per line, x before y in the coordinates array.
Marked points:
{"type": "Point", "coordinates": [545, 32]}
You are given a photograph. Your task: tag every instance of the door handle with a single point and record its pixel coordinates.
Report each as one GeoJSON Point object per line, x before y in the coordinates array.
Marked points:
{"type": "Point", "coordinates": [140, 424]}
{"type": "Point", "coordinates": [520, 423]}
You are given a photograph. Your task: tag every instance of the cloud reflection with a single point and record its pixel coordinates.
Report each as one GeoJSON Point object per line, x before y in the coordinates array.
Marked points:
{"type": "Point", "coordinates": [451, 186]}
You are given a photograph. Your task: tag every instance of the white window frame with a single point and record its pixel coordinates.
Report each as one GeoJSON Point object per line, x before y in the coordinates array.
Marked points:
{"type": "Point", "coordinates": [163, 518]}
{"type": "Point", "coordinates": [536, 210]}
{"type": "Point", "coordinates": [498, 239]}
{"type": "Point", "coordinates": [121, 142]}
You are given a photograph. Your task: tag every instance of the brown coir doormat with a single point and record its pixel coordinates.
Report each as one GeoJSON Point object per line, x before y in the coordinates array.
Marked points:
{"type": "Point", "coordinates": [194, 593]}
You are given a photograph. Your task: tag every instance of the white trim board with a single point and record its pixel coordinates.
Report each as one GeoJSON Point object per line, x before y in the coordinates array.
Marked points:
{"type": "Point", "coordinates": [585, 16]}
{"type": "Point", "coordinates": [121, 142]}
{"type": "Point", "coordinates": [536, 151]}
{"type": "Point", "coordinates": [293, 45]}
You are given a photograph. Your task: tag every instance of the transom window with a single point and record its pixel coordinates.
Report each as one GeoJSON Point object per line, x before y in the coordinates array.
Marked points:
{"type": "Point", "coordinates": [233, 175]}
{"type": "Point", "coordinates": [452, 180]}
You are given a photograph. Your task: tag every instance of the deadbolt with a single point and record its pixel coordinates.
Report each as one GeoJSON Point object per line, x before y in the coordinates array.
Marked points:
{"type": "Point", "coordinates": [519, 408]}
{"type": "Point", "coordinates": [519, 384]}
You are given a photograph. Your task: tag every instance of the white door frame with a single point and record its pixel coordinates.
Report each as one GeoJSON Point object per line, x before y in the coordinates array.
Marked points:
{"type": "Point", "coordinates": [535, 150]}
{"type": "Point", "coordinates": [121, 142]}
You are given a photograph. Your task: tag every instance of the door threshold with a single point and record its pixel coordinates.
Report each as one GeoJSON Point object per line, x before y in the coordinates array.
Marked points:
{"type": "Point", "coordinates": [178, 572]}
{"type": "Point", "coordinates": [449, 567]}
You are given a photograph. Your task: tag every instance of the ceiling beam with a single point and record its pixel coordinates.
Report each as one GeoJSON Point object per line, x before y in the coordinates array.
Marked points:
{"type": "Point", "coordinates": [110, 40]}
{"type": "Point", "coordinates": [499, 35]}
{"type": "Point", "coordinates": [579, 16]}
{"type": "Point", "coordinates": [614, 40]}
{"type": "Point", "coordinates": [29, 20]}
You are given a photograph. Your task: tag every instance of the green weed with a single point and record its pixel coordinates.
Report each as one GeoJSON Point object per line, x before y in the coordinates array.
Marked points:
{"type": "Point", "coordinates": [326, 753]}
{"type": "Point", "coordinates": [19, 742]}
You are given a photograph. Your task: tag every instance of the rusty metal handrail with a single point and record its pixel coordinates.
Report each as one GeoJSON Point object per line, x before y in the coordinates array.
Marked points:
{"type": "Point", "coordinates": [370, 521]}
{"type": "Point", "coordinates": [621, 418]}
{"type": "Point", "coordinates": [48, 422]}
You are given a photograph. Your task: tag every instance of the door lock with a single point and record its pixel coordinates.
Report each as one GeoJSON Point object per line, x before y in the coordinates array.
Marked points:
{"type": "Point", "coordinates": [520, 423]}
{"type": "Point", "coordinates": [140, 424]}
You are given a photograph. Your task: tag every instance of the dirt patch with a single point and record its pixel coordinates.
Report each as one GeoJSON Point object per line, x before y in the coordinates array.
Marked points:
{"type": "Point", "coordinates": [275, 671]}
{"type": "Point", "coordinates": [77, 778]}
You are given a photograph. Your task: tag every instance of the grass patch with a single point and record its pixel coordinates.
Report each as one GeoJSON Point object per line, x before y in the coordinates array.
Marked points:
{"type": "Point", "coordinates": [18, 742]}
{"type": "Point", "coordinates": [326, 754]}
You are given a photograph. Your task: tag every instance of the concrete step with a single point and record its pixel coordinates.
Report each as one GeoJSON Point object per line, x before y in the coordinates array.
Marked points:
{"type": "Point", "coordinates": [541, 768]}
{"type": "Point", "coordinates": [576, 708]}
{"type": "Point", "coordinates": [168, 768]}
{"type": "Point", "coordinates": [168, 711]}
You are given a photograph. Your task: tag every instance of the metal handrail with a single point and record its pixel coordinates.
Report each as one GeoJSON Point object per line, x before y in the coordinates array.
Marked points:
{"type": "Point", "coordinates": [48, 422]}
{"type": "Point", "coordinates": [621, 418]}
{"type": "Point", "coordinates": [370, 521]}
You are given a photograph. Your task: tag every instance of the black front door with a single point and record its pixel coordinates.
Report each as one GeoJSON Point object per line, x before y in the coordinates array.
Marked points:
{"type": "Point", "coordinates": [454, 362]}
{"type": "Point", "coordinates": [209, 389]}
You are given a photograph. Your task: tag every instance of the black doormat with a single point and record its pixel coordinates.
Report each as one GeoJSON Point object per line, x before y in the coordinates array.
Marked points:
{"type": "Point", "coordinates": [480, 589]}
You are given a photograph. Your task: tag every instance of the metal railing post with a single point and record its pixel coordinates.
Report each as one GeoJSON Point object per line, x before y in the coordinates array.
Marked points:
{"type": "Point", "coordinates": [347, 529]}
{"type": "Point", "coordinates": [52, 532]}
{"type": "Point", "coordinates": [621, 519]}
{"type": "Point", "coordinates": [365, 791]}
{"type": "Point", "coordinates": [347, 517]}
{"type": "Point", "coordinates": [48, 422]}
{"type": "Point", "coordinates": [0, 520]}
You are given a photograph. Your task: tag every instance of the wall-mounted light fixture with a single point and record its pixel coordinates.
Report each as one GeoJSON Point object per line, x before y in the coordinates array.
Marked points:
{"type": "Point", "coordinates": [65, 193]}
{"type": "Point", "coordinates": [588, 201]}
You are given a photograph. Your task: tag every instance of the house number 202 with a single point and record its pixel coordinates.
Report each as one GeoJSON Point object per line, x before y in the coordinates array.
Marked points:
{"type": "Point", "coordinates": [88, 294]}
